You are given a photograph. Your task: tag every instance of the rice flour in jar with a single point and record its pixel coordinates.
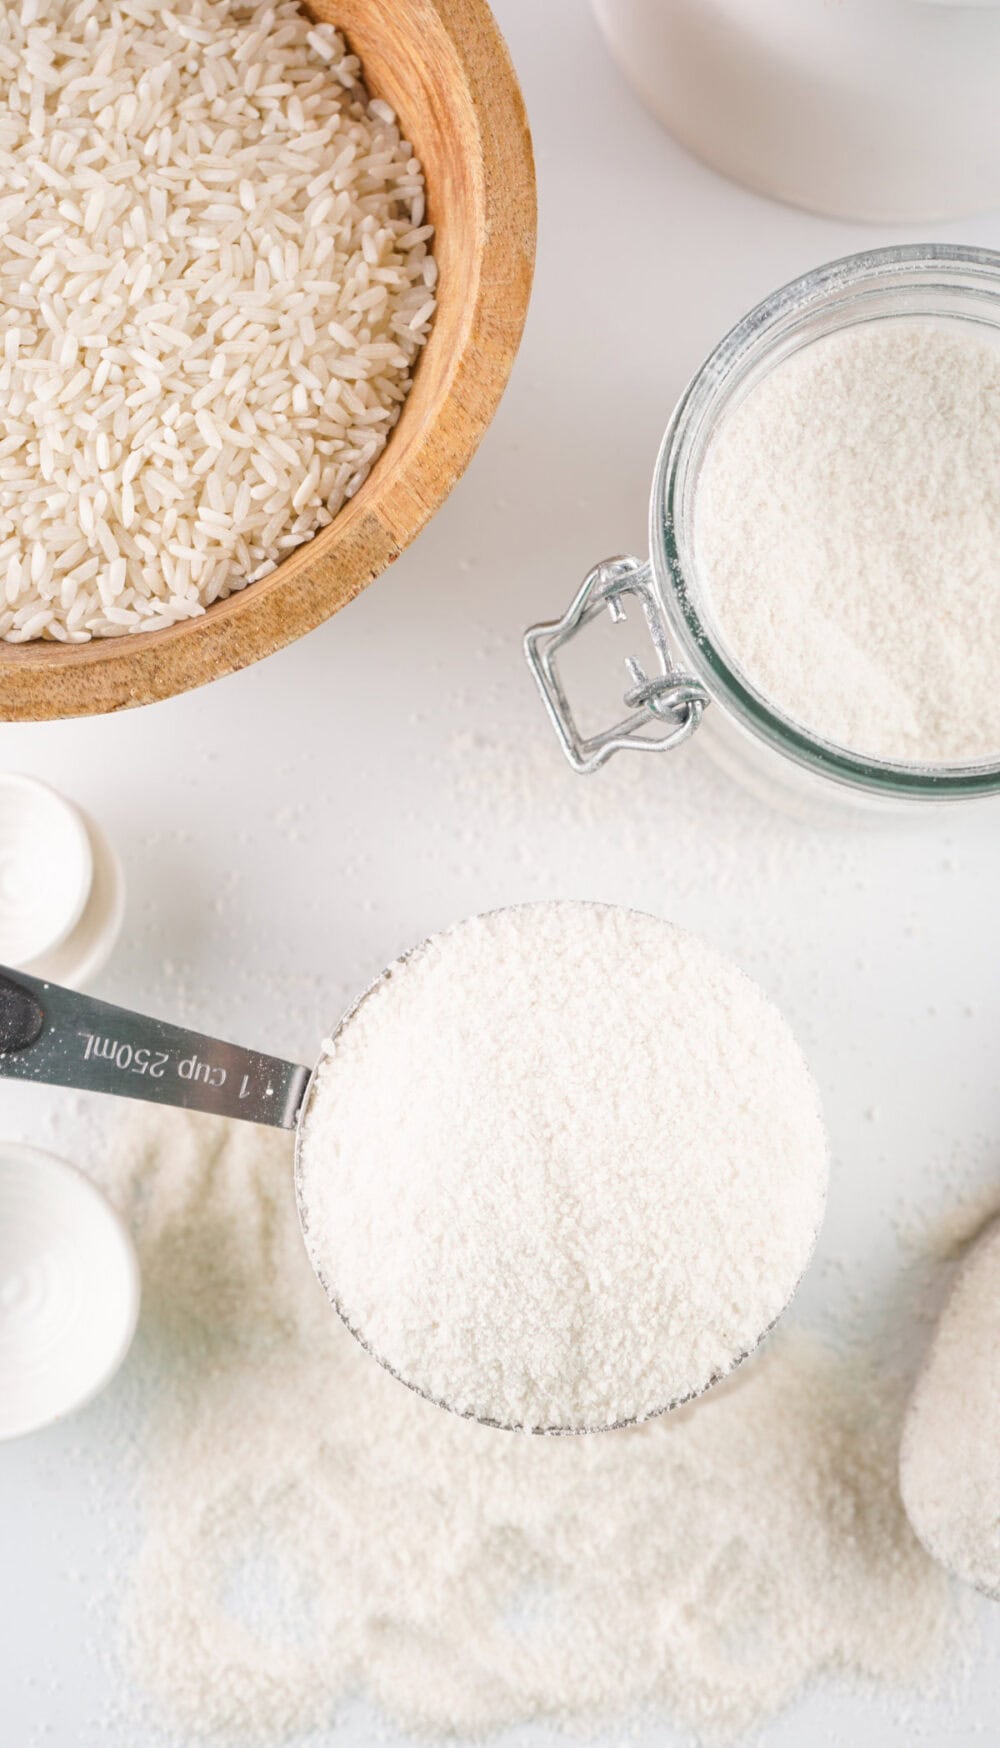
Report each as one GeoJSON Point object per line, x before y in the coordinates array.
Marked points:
{"type": "Point", "coordinates": [847, 532]}
{"type": "Point", "coordinates": [821, 604]}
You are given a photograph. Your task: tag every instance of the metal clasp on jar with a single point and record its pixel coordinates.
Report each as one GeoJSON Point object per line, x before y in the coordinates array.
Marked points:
{"type": "Point", "coordinates": [664, 709]}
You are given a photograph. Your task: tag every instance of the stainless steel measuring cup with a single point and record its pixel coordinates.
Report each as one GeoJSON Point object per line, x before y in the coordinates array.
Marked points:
{"type": "Point", "coordinates": [61, 1037]}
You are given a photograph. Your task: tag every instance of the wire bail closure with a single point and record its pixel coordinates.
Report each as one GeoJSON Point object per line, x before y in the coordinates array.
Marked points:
{"type": "Point", "coordinates": [670, 699]}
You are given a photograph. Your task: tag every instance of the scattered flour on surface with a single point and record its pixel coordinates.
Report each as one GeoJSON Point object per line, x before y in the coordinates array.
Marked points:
{"type": "Point", "coordinates": [950, 1456]}
{"type": "Point", "coordinates": [312, 1531]}
{"type": "Point", "coordinates": [943, 1233]}
{"type": "Point", "coordinates": [563, 1167]}
{"type": "Point", "coordinates": [847, 532]}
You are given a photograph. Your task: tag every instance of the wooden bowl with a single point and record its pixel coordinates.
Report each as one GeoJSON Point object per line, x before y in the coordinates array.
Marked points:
{"type": "Point", "coordinates": [444, 67]}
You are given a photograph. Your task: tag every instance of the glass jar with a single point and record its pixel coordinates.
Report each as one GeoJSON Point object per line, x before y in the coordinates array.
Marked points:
{"type": "Point", "coordinates": [692, 683]}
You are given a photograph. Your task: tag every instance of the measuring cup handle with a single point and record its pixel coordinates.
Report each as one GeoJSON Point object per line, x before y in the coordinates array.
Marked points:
{"type": "Point", "coordinates": [22, 1018]}
{"type": "Point", "coordinates": [61, 1037]}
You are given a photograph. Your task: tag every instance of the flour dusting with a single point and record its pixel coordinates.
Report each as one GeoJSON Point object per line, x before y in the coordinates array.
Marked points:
{"type": "Point", "coordinates": [313, 1531]}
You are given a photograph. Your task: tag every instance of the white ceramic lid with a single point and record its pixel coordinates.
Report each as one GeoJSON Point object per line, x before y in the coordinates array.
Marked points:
{"type": "Point", "coordinates": [88, 946]}
{"type": "Point", "coordinates": [69, 1289]}
{"type": "Point", "coordinates": [46, 868]}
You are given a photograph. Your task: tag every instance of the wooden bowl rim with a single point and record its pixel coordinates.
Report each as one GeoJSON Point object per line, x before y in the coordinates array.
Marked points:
{"type": "Point", "coordinates": [45, 680]}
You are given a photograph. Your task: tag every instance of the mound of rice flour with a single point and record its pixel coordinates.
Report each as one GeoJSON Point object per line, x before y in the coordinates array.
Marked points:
{"type": "Point", "coordinates": [311, 1532]}
{"type": "Point", "coordinates": [950, 1455]}
{"type": "Point", "coordinates": [214, 282]}
{"type": "Point", "coordinates": [563, 1167]}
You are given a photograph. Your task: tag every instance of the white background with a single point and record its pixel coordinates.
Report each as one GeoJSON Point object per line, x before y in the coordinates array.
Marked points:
{"type": "Point", "coordinates": [287, 831]}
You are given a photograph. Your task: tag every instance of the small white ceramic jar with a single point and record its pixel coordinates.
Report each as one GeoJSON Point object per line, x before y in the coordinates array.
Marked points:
{"type": "Point", "coordinates": [69, 1289]}
{"type": "Point", "coordinates": [683, 679]}
{"type": "Point", "coordinates": [887, 110]}
{"type": "Point", "coordinates": [62, 891]}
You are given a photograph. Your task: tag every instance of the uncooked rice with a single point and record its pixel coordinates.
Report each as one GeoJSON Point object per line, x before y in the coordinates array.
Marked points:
{"type": "Point", "coordinates": [214, 283]}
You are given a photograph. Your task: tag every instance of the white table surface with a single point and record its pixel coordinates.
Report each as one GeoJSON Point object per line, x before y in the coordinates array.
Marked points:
{"type": "Point", "coordinates": [288, 830]}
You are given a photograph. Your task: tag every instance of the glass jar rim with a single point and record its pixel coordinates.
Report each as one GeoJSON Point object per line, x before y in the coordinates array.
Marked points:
{"type": "Point", "coordinates": [847, 283]}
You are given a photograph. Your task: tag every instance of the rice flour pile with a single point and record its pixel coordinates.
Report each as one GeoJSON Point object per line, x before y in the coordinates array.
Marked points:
{"type": "Point", "coordinates": [563, 1167]}
{"type": "Point", "coordinates": [847, 531]}
{"type": "Point", "coordinates": [311, 1531]}
{"type": "Point", "coordinates": [214, 283]}
{"type": "Point", "coordinates": [950, 1460]}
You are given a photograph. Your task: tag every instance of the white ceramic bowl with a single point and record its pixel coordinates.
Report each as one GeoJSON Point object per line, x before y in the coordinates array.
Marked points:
{"type": "Point", "coordinates": [884, 110]}
{"type": "Point", "coordinates": [69, 1289]}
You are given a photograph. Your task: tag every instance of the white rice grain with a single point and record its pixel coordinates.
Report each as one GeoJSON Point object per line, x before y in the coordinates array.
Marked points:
{"type": "Point", "coordinates": [214, 284]}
